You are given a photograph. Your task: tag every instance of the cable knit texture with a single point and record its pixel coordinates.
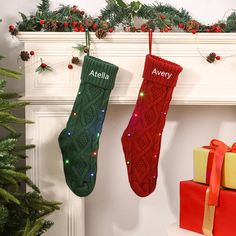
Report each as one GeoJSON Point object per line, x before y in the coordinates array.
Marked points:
{"type": "Point", "coordinates": [141, 139]}
{"type": "Point", "coordinates": [79, 141]}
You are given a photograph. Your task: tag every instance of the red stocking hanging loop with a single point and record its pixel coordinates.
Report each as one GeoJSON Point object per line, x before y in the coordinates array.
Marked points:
{"type": "Point", "coordinates": [150, 41]}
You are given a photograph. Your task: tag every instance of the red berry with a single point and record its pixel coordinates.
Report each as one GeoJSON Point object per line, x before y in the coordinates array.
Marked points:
{"type": "Point", "coordinates": [213, 26]}
{"type": "Point", "coordinates": [82, 13]}
{"type": "Point", "coordinates": [218, 58]}
{"type": "Point", "coordinates": [32, 53]}
{"type": "Point", "coordinates": [70, 66]}
{"type": "Point", "coordinates": [66, 24]}
{"type": "Point", "coordinates": [194, 31]}
{"type": "Point", "coordinates": [110, 30]}
{"type": "Point", "coordinates": [76, 29]}
{"type": "Point", "coordinates": [181, 26]}
{"type": "Point", "coordinates": [82, 29]}
{"type": "Point", "coordinates": [169, 28]}
{"type": "Point", "coordinates": [161, 30]}
{"type": "Point", "coordinates": [74, 24]}
{"type": "Point", "coordinates": [43, 65]}
{"type": "Point", "coordinates": [94, 26]}
{"type": "Point", "coordinates": [11, 27]}
{"type": "Point", "coordinates": [162, 17]}
{"type": "Point", "coordinates": [207, 30]}
{"type": "Point", "coordinates": [42, 22]}
{"type": "Point", "coordinates": [166, 29]}
{"type": "Point", "coordinates": [218, 29]}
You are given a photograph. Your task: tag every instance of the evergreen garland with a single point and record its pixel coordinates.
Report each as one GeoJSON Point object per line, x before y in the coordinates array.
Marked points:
{"type": "Point", "coordinates": [64, 19]}
{"type": "Point", "coordinates": [162, 17]}
{"type": "Point", "coordinates": [157, 16]}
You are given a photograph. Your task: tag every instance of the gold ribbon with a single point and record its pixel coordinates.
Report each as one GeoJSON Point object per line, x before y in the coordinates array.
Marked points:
{"type": "Point", "coordinates": [213, 191]}
{"type": "Point", "coordinates": [209, 216]}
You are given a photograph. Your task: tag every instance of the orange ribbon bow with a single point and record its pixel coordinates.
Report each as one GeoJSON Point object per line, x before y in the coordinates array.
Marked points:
{"type": "Point", "coordinates": [220, 149]}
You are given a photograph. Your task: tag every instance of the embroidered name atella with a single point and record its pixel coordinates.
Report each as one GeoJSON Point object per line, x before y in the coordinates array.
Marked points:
{"type": "Point", "coordinates": [102, 75]}
{"type": "Point", "coordinates": [167, 75]}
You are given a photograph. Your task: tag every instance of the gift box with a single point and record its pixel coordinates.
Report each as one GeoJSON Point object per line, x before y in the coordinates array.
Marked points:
{"type": "Point", "coordinates": [203, 160]}
{"type": "Point", "coordinates": [195, 215]}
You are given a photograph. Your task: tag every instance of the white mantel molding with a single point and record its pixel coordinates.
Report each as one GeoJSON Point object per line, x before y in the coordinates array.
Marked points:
{"type": "Point", "coordinates": [200, 83]}
{"type": "Point", "coordinates": [125, 101]}
{"type": "Point", "coordinates": [125, 37]}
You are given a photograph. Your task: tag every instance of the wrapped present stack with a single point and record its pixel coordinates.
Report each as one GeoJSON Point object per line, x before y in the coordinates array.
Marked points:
{"type": "Point", "coordinates": [208, 203]}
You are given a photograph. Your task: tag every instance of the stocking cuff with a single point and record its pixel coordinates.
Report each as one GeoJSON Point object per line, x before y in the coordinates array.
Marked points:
{"type": "Point", "coordinates": [161, 71]}
{"type": "Point", "coordinates": [99, 72]}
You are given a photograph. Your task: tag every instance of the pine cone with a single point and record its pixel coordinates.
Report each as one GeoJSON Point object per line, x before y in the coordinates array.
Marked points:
{"type": "Point", "coordinates": [60, 27]}
{"type": "Point", "coordinates": [104, 24]}
{"type": "Point", "coordinates": [88, 22]}
{"type": "Point", "coordinates": [24, 55]}
{"type": "Point", "coordinates": [211, 58]}
{"type": "Point", "coordinates": [14, 32]}
{"type": "Point", "coordinates": [222, 25]}
{"type": "Point", "coordinates": [101, 33]}
{"type": "Point", "coordinates": [192, 25]}
{"type": "Point", "coordinates": [130, 29]}
{"type": "Point", "coordinates": [51, 26]}
{"type": "Point", "coordinates": [75, 60]}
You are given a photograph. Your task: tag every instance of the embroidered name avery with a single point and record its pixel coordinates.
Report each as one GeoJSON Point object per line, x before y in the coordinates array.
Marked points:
{"type": "Point", "coordinates": [102, 75]}
{"type": "Point", "coordinates": [167, 75]}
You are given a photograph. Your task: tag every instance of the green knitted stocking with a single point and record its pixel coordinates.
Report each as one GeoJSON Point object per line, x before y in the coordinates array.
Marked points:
{"type": "Point", "coordinates": [79, 141]}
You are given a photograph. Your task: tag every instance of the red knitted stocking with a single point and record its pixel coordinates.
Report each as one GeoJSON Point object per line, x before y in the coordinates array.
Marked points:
{"type": "Point", "coordinates": [141, 140]}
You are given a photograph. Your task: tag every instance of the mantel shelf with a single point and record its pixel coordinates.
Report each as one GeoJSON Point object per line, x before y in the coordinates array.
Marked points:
{"type": "Point", "coordinates": [125, 37]}
{"type": "Point", "coordinates": [122, 101]}
{"type": "Point", "coordinates": [200, 83]}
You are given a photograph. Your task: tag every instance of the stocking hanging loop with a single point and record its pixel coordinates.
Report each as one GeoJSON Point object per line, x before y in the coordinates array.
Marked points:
{"type": "Point", "coordinates": [150, 41]}
{"type": "Point", "coordinates": [87, 38]}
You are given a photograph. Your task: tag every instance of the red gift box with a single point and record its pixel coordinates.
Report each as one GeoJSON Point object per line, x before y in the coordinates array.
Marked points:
{"type": "Point", "coordinates": [192, 207]}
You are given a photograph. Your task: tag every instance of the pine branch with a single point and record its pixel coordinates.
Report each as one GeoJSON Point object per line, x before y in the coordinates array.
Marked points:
{"type": "Point", "coordinates": [23, 169]}
{"type": "Point", "coordinates": [9, 96]}
{"type": "Point", "coordinates": [12, 104]}
{"type": "Point", "coordinates": [8, 197]}
{"type": "Point", "coordinates": [46, 225]}
{"type": "Point", "coordinates": [10, 180]}
{"type": "Point", "coordinates": [7, 144]}
{"type": "Point", "coordinates": [9, 73]}
{"type": "Point", "coordinates": [8, 127]}
{"type": "Point", "coordinates": [11, 136]}
{"type": "Point", "coordinates": [41, 69]}
{"type": "Point", "coordinates": [3, 217]}
{"type": "Point", "coordinates": [14, 174]}
{"type": "Point", "coordinates": [2, 85]}
{"type": "Point", "coordinates": [32, 185]}
{"type": "Point", "coordinates": [44, 6]}
{"type": "Point", "coordinates": [31, 230]}
{"type": "Point", "coordinates": [24, 147]}
{"type": "Point", "coordinates": [6, 118]}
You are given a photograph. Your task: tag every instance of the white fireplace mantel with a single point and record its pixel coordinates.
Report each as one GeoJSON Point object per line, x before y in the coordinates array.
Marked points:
{"type": "Point", "coordinates": [52, 95]}
{"type": "Point", "coordinates": [200, 83]}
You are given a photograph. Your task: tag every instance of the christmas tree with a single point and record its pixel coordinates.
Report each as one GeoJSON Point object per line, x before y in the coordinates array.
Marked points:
{"type": "Point", "coordinates": [21, 213]}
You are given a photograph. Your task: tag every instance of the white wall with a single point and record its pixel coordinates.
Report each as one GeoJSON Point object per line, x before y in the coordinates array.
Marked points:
{"type": "Point", "coordinates": [113, 209]}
